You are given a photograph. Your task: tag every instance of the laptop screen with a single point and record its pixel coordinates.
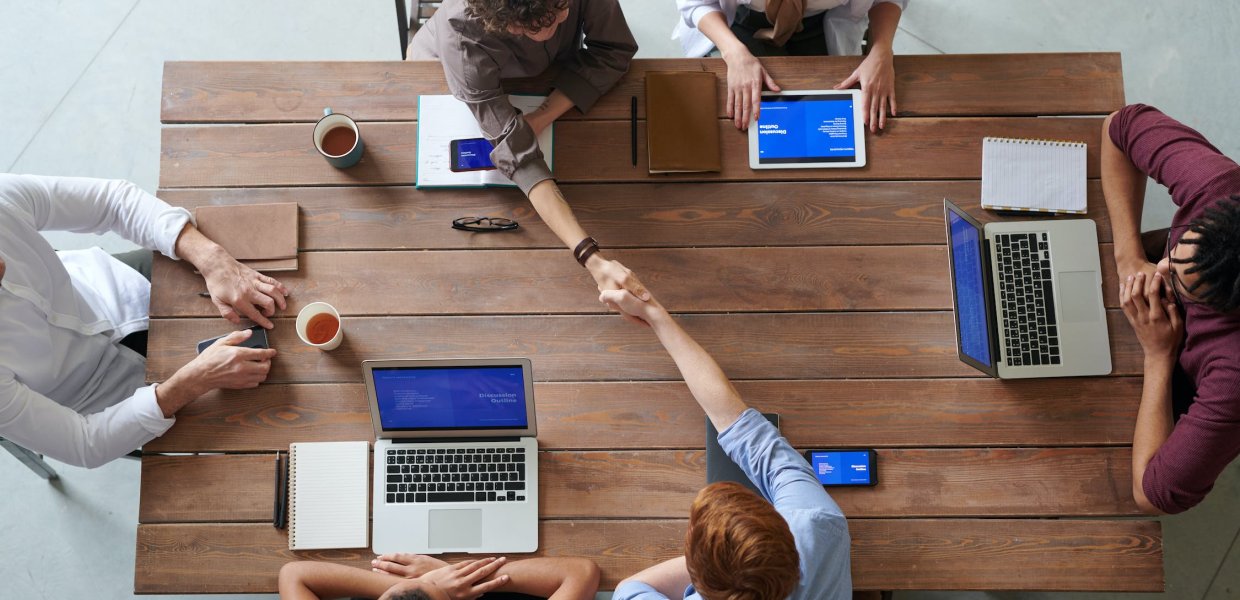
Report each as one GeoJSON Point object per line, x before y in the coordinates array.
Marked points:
{"type": "Point", "coordinates": [968, 281]}
{"type": "Point", "coordinates": [447, 398]}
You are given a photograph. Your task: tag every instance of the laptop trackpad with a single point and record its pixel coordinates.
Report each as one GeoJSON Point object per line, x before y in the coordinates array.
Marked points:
{"type": "Point", "coordinates": [456, 528]}
{"type": "Point", "coordinates": [1078, 301]}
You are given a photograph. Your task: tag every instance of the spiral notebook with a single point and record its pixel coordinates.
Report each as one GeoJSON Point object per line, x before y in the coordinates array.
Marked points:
{"type": "Point", "coordinates": [329, 486]}
{"type": "Point", "coordinates": [1033, 175]}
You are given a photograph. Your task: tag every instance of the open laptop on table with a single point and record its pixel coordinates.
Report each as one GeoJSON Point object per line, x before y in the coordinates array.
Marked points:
{"type": "Point", "coordinates": [456, 459]}
{"type": "Point", "coordinates": [1028, 296]}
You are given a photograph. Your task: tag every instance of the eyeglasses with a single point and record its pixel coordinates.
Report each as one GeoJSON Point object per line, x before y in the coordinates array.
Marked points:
{"type": "Point", "coordinates": [1175, 282]}
{"type": "Point", "coordinates": [484, 224]}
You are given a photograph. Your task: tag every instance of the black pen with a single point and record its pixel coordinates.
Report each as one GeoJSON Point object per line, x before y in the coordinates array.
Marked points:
{"type": "Point", "coordinates": [275, 509]}
{"type": "Point", "coordinates": [633, 128]}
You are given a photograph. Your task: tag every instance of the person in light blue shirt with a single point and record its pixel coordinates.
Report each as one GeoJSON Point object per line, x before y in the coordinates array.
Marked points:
{"type": "Point", "coordinates": [790, 543]}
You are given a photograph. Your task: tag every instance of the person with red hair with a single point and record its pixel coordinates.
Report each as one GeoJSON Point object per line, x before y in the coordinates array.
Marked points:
{"type": "Point", "coordinates": [790, 542]}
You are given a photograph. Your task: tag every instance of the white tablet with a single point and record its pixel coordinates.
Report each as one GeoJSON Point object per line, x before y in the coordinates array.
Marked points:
{"type": "Point", "coordinates": [811, 129]}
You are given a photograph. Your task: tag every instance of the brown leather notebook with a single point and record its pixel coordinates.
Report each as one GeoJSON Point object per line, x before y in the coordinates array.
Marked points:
{"type": "Point", "coordinates": [263, 236]}
{"type": "Point", "coordinates": [682, 127]}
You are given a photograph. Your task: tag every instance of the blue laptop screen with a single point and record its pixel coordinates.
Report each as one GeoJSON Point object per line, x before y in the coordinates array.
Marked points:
{"type": "Point", "coordinates": [966, 248]}
{"type": "Point", "coordinates": [806, 129]}
{"type": "Point", "coordinates": [489, 397]}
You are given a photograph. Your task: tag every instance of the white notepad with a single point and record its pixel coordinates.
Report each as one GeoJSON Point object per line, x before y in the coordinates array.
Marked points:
{"type": "Point", "coordinates": [441, 119]}
{"type": "Point", "coordinates": [1033, 175]}
{"type": "Point", "coordinates": [329, 485]}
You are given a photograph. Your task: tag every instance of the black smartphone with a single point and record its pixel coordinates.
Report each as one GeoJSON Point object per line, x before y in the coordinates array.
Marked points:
{"type": "Point", "coordinates": [257, 339]}
{"type": "Point", "coordinates": [836, 468]}
{"type": "Point", "coordinates": [473, 154]}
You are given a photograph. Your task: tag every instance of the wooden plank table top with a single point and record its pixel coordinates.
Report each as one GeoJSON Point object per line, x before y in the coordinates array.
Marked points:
{"type": "Point", "coordinates": [823, 293]}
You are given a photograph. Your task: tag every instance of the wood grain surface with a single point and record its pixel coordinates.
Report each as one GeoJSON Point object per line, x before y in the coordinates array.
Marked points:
{"type": "Point", "coordinates": [952, 85]}
{"type": "Point", "coordinates": [662, 484]}
{"type": "Point", "coordinates": [607, 348]}
{"type": "Point", "coordinates": [887, 554]}
{"type": "Point", "coordinates": [586, 152]}
{"type": "Point", "coordinates": [662, 215]}
{"type": "Point", "coordinates": [652, 415]}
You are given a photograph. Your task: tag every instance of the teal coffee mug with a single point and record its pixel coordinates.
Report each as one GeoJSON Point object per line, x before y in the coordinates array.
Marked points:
{"type": "Point", "coordinates": [336, 137]}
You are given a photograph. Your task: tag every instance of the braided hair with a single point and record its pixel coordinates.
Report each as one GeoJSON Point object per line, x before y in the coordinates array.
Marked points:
{"type": "Point", "coordinates": [1217, 260]}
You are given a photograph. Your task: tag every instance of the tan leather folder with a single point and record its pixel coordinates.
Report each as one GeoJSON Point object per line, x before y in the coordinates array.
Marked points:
{"type": "Point", "coordinates": [682, 127]}
{"type": "Point", "coordinates": [263, 236]}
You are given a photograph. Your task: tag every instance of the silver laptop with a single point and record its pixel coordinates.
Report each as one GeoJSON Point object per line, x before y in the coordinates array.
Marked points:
{"type": "Point", "coordinates": [456, 459]}
{"type": "Point", "coordinates": [1028, 296]}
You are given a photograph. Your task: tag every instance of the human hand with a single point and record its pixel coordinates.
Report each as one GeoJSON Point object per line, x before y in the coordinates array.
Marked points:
{"type": "Point", "coordinates": [878, 87]}
{"type": "Point", "coordinates": [632, 308]}
{"type": "Point", "coordinates": [1126, 269]}
{"type": "Point", "coordinates": [406, 565]}
{"type": "Point", "coordinates": [239, 291]}
{"type": "Point", "coordinates": [538, 120]}
{"type": "Point", "coordinates": [226, 365]}
{"type": "Point", "coordinates": [1153, 314]}
{"type": "Point", "coordinates": [746, 75]}
{"type": "Point", "coordinates": [469, 579]}
{"type": "Point", "coordinates": [611, 275]}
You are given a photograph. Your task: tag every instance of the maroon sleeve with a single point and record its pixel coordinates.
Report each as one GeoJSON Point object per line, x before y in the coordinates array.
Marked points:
{"type": "Point", "coordinates": [1173, 153]}
{"type": "Point", "coordinates": [1202, 443]}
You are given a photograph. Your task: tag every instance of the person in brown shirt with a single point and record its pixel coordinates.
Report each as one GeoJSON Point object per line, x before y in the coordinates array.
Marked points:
{"type": "Point", "coordinates": [480, 42]}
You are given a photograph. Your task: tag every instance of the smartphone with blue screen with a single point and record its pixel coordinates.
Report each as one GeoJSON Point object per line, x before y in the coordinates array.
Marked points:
{"type": "Point", "coordinates": [473, 154]}
{"type": "Point", "coordinates": [838, 468]}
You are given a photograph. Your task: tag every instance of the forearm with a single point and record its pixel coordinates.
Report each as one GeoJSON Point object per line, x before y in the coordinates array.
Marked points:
{"type": "Point", "coordinates": [321, 580]}
{"type": "Point", "coordinates": [706, 381]}
{"type": "Point", "coordinates": [884, 19]}
{"type": "Point", "coordinates": [554, 210]}
{"type": "Point", "coordinates": [197, 249]}
{"type": "Point", "coordinates": [552, 578]}
{"type": "Point", "coordinates": [1123, 186]}
{"type": "Point", "coordinates": [180, 389]}
{"type": "Point", "coordinates": [555, 105]}
{"type": "Point", "coordinates": [1153, 422]}
{"type": "Point", "coordinates": [715, 28]}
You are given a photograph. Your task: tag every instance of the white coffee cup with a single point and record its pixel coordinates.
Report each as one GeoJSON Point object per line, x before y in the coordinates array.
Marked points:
{"type": "Point", "coordinates": [309, 312]}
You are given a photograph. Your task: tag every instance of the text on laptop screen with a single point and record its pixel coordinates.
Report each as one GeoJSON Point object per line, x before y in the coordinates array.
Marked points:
{"type": "Point", "coordinates": [480, 397]}
{"type": "Point", "coordinates": [806, 129]}
{"type": "Point", "coordinates": [966, 248]}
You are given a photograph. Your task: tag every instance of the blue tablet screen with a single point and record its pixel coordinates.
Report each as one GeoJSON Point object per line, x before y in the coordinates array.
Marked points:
{"type": "Point", "coordinates": [806, 129]}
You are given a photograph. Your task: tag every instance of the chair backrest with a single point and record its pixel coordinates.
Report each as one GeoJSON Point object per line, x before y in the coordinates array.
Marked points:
{"type": "Point", "coordinates": [407, 26]}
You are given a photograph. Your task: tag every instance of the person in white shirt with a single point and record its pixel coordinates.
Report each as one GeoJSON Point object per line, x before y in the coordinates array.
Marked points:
{"type": "Point", "coordinates": [745, 29]}
{"type": "Point", "coordinates": [68, 388]}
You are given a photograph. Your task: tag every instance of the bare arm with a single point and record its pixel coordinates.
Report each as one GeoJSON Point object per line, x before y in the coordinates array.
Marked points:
{"type": "Point", "coordinates": [236, 290]}
{"type": "Point", "coordinates": [551, 109]}
{"type": "Point", "coordinates": [550, 204]}
{"type": "Point", "coordinates": [746, 75]}
{"type": "Point", "coordinates": [669, 577]}
{"type": "Point", "coordinates": [307, 580]}
{"type": "Point", "coordinates": [706, 381]}
{"type": "Point", "coordinates": [1123, 186]}
{"type": "Point", "coordinates": [555, 578]}
{"type": "Point", "coordinates": [1153, 424]}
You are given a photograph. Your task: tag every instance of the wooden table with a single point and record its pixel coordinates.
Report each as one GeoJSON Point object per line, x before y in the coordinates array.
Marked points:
{"type": "Point", "coordinates": [823, 293]}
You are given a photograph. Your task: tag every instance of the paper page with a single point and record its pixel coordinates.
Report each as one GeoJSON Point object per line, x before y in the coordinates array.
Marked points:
{"type": "Point", "coordinates": [441, 119]}
{"type": "Point", "coordinates": [329, 495]}
{"type": "Point", "coordinates": [1035, 175]}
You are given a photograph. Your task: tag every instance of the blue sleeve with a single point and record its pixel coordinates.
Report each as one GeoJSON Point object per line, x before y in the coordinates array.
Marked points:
{"type": "Point", "coordinates": [779, 472]}
{"type": "Point", "coordinates": [636, 590]}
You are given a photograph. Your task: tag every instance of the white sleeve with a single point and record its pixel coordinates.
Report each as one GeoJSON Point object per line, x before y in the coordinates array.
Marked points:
{"type": "Point", "coordinates": [38, 423]}
{"type": "Point", "coordinates": [85, 205]}
{"type": "Point", "coordinates": [692, 11]}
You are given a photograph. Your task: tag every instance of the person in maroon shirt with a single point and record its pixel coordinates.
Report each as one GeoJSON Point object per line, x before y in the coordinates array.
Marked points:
{"type": "Point", "coordinates": [1181, 293]}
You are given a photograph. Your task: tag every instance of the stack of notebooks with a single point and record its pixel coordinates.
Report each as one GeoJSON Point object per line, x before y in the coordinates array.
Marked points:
{"type": "Point", "coordinates": [682, 124]}
{"type": "Point", "coordinates": [261, 236]}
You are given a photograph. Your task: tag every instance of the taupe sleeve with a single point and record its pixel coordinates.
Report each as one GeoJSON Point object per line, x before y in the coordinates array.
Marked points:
{"type": "Point", "coordinates": [473, 78]}
{"type": "Point", "coordinates": [609, 49]}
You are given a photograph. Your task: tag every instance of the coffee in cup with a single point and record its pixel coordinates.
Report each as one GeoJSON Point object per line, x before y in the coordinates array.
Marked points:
{"type": "Point", "coordinates": [319, 326]}
{"type": "Point", "coordinates": [337, 138]}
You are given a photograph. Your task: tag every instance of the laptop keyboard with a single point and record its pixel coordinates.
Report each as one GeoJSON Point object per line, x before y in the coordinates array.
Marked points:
{"type": "Point", "coordinates": [1026, 302]}
{"type": "Point", "coordinates": [484, 474]}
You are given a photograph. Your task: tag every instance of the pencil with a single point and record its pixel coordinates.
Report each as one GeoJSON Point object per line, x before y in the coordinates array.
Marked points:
{"type": "Point", "coordinates": [275, 508]}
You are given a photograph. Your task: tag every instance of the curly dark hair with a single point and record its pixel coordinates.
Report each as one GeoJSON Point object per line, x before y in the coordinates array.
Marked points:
{"type": "Point", "coordinates": [498, 15]}
{"type": "Point", "coordinates": [411, 595]}
{"type": "Point", "coordinates": [1217, 260]}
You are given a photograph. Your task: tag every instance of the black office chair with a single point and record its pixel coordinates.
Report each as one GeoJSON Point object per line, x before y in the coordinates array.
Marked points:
{"type": "Point", "coordinates": [407, 26]}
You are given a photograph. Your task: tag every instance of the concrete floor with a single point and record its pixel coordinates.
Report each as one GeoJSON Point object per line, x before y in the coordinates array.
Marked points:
{"type": "Point", "coordinates": [79, 91]}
